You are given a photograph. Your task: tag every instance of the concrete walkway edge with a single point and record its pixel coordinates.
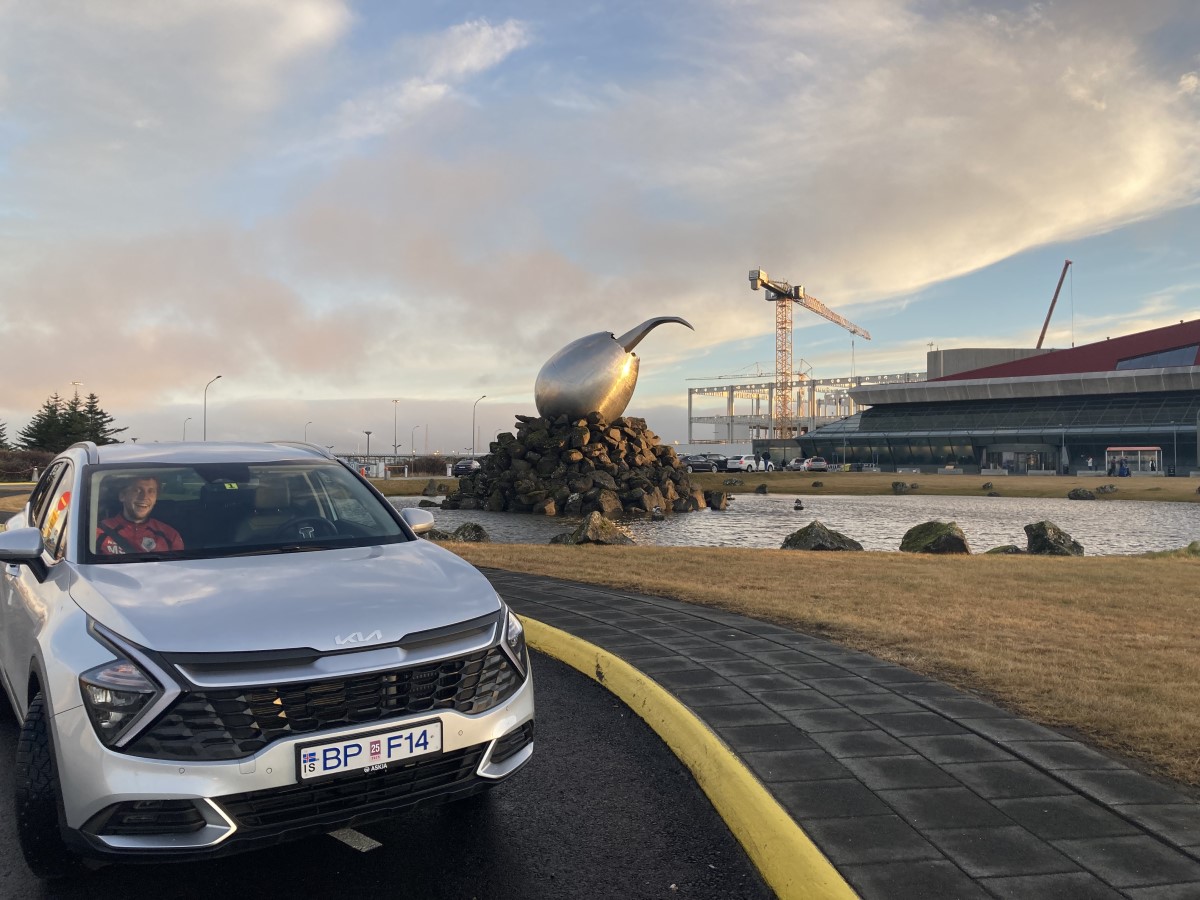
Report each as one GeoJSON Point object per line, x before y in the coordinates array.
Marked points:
{"type": "Point", "coordinates": [785, 856]}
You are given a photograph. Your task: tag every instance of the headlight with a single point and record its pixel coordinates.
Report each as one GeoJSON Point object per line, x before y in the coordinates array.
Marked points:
{"type": "Point", "coordinates": [514, 640]}
{"type": "Point", "coordinates": [114, 695]}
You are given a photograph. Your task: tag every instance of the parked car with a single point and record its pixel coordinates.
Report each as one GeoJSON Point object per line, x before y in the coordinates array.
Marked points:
{"type": "Point", "coordinates": [816, 464]}
{"type": "Point", "coordinates": [700, 463]}
{"type": "Point", "coordinates": [719, 458]}
{"type": "Point", "coordinates": [746, 462]}
{"type": "Point", "coordinates": [212, 647]}
{"type": "Point", "coordinates": [465, 467]}
{"type": "Point", "coordinates": [796, 464]}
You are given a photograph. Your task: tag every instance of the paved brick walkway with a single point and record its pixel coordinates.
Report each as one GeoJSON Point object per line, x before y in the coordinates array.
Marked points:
{"type": "Point", "coordinates": [912, 789]}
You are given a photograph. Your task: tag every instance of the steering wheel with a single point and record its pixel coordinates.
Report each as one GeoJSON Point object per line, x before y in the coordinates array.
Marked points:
{"type": "Point", "coordinates": [315, 526]}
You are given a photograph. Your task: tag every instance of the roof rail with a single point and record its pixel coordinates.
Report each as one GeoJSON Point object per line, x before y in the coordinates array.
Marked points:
{"type": "Point", "coordinates": [89, 447]}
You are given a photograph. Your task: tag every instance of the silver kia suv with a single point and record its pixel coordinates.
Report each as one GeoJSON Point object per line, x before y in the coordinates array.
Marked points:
{"type": "Point", "coordinates": [213, 647]}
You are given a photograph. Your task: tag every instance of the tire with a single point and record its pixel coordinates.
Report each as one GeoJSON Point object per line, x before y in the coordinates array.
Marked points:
{"type": "Point", "coordinates": [37, 797]}
{"type": "Point", "coordinates": [690, 469]}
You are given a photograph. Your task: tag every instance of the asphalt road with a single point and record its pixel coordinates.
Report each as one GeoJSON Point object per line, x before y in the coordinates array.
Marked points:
{"type": "Point", "coordinates": [602, 810]}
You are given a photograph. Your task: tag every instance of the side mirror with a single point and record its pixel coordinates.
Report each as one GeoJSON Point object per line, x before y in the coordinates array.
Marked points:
{"type": "Point", "coordinates": [419, 520]}
{"type": "Point", "coordinates": [23, 545]}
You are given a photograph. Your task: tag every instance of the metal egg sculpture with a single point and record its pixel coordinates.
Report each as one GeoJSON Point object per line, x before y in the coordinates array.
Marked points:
{"type": "Point", "coordinates": [596, 373]}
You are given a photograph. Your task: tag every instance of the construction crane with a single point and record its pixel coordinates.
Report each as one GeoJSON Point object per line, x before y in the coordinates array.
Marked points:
{"type": "Point", "coordinates": [783, 295]}
{"type": "Point", "coordinates": [1053, 300]}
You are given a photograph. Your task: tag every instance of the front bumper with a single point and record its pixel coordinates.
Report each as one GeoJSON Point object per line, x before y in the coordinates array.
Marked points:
{"type": "Point", "coordinates": [216, 808]}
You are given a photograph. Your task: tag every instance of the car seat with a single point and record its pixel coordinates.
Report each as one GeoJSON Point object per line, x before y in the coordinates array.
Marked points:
{"type": "Point", "coordinates": [272, 509]}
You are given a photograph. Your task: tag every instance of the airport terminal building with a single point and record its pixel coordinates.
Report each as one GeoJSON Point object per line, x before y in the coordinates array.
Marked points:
{"type": "Point", "coordinates": [1134, 398]}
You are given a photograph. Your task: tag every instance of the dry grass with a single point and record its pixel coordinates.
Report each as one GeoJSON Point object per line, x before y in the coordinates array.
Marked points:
{"type": "Point", "coordinates": [1108, 646]}
{"type": "Point", "coordinates": [13, 504]}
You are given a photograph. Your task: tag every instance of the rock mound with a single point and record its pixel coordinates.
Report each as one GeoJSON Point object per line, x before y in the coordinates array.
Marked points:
{"type": "Point", "coordinates": [1080, 494]}
{"type": "Point", "coordinates": [574, 467]}
{"type": "Point", "coordinates": [1047, 539]}
{"type": "Point", "coordinates": [935, 537]}
{"type": "Point", "coordinates": [816, 536]}
{"type": "Point", "coordinates": [1006, 549]}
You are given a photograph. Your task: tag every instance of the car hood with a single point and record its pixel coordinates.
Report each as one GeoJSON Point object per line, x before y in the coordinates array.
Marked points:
{"type": "Point", "coordinates": [285, 601]}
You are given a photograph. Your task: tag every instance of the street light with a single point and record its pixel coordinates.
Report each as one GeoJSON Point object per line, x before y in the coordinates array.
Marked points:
{"type": "Point", "coordinates": [1175, 447]}
{"type": "Point", "coordinates": [473, 405]}
{"type": "Point", "coordinates": [205, 432]}
{"type": "Point", "coordinates": [395, 443]}
{"type": "Point", "coordinates": [185, 421]}
{"type": "Point", "coordinates": [306, 424]}
{"type": "Point", "coordinates": [368, 434]}
{"type": "Point", "coordinates": [412, 442]}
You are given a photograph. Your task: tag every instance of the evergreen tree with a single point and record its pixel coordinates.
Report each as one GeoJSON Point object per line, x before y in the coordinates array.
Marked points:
{"type": "Point", "coordinates": [45, 431]}
{"type": "Point", "coordinates": [98, 423]}
{"type": "Point", "coordinates": [3, 438]}
{"type": "Point", "coordinates": [61, 423]}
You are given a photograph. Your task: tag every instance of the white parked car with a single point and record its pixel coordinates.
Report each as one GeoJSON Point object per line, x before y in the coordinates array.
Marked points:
{"type": "Point", "coordinates": [747, 462]}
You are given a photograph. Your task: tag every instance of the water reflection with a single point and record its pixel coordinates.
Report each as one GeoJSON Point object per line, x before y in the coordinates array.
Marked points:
{"type": "Point", "coordinates": [878, 523]}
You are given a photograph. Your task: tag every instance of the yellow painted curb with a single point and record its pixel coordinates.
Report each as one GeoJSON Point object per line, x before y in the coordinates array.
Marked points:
{"type": "Point", "coordinates": [788, 860]}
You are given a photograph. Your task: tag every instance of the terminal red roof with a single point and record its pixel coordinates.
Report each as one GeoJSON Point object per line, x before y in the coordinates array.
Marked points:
{"type": "Point", "coordinates": [1101, 356]}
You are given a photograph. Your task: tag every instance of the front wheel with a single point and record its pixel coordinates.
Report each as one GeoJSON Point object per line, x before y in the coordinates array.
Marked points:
{"type": "Point", "coordinates": [37, 796]}
{"type": "Point", "coordinates": [690, 470]}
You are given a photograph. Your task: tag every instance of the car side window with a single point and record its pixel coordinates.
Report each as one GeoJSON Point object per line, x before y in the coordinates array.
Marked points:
{"type": "Point", "coordinates": [42, 492]}
{"type": "Point", "coordinates": [56, 514]}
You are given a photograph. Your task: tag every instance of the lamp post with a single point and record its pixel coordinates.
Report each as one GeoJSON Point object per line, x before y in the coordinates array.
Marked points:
{"type": "Point", "coordinates": [412, 442]}
{"type": "Point", "coordinates": [1063, 461]}
{"type": "Point", "coordinates": [368, 434]}
{"type": "Point", "coordinates": [473, 405]}
{"type": "Point", "coordinates": [1174, 447]}
{"type": "Point", "coordinates": [205, 430]}
{"type": "Point", "coordinates": [185, 421]}
{"type": "Point", "coordinates": [306, 424]}
{"type": "Point", "coordinates": [395, 443]}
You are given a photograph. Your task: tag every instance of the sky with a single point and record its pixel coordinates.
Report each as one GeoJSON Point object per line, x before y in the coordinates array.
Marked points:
{"type": "Point", "coordinates": [368, 215]}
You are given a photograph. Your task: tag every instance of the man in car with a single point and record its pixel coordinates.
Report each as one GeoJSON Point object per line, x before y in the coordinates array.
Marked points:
{"type": "Point", "coordinates": [132, 530]}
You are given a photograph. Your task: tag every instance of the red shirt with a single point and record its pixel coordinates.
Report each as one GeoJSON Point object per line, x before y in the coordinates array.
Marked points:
{"type": "Point", "coordinates": [119, 535]}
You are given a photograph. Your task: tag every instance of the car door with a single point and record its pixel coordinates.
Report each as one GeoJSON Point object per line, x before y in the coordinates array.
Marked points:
{"type": "Point", "coordinates": [29, 597]}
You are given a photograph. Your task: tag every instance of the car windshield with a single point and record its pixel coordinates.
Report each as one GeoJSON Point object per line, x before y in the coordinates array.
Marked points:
{"type": "Point", "coordinates": [144, 512]}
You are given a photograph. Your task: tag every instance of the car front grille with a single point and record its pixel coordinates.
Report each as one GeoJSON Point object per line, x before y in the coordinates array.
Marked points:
{"type": "Point", "coordinates": [334, 799]}
{"type": "Point", "coordinates": [238, 722]}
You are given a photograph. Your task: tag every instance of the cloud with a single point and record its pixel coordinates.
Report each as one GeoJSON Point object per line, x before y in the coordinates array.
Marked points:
{"type": "Point", "coordinates": [448, 59]}
{"type": "Point", "coordinates": [127, 107]}
{"type": "Point", "coordinates": [320, 206]}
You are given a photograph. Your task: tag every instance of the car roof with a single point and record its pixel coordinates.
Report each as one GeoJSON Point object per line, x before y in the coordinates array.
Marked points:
{"type": "Point", "coordinates": [185, 452]}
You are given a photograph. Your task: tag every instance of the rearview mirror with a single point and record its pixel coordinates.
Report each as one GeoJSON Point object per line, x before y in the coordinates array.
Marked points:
{"type": "Point", "coordinates": [419, 520]}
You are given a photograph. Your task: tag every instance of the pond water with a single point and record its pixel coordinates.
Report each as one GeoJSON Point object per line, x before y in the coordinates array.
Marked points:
{"type": "Point", "coordinates": [1103, 527]}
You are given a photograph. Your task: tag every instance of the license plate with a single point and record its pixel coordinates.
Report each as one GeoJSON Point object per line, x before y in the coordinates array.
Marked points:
{"type": "Point", "coordinates": [370, 752]}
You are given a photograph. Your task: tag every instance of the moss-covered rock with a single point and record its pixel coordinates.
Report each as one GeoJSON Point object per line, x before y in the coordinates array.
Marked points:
{"type": "Point", "coordinates": [1047, 539]}
{"type": "Point", "coordinates": [595, 529]}
{"type": "Point", "coordinates": [935, 537]}
{"type": "Point", "coordinates": [815, 536]}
